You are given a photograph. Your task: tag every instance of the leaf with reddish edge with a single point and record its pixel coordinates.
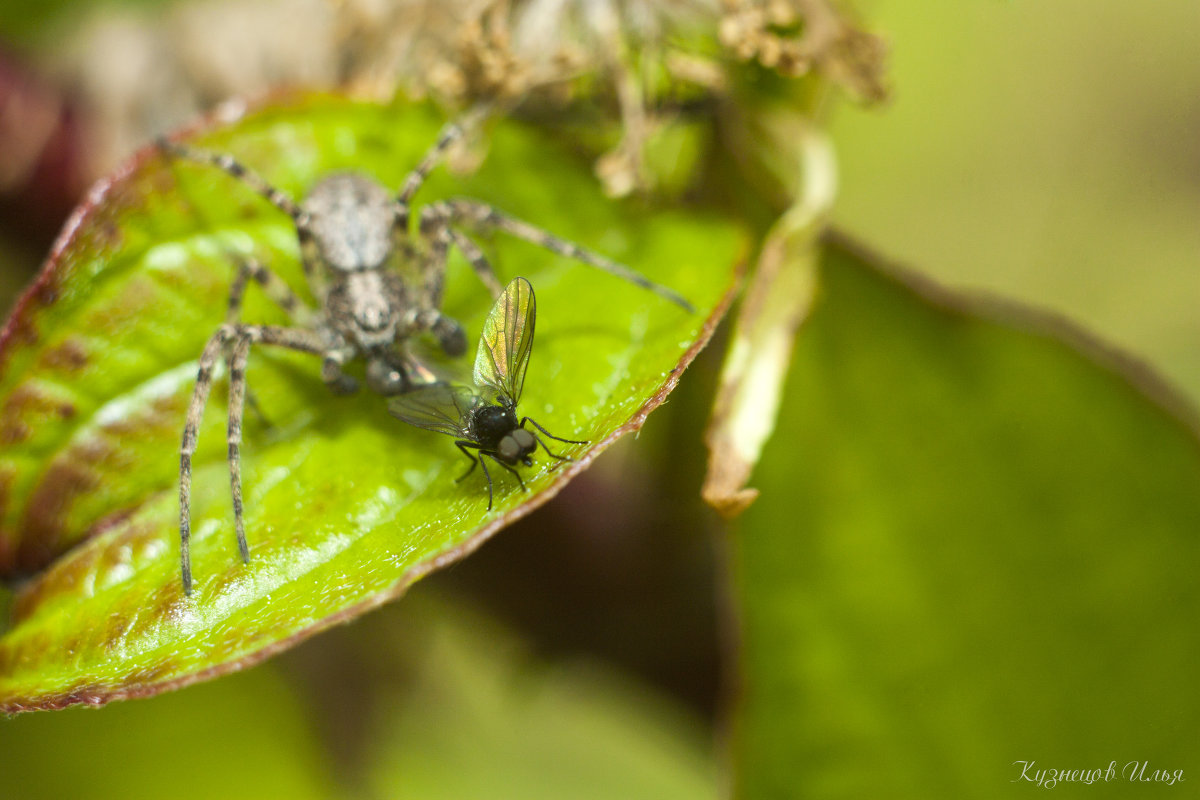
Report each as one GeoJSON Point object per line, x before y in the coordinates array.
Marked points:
{"type": "Point", "coordinates": [345, 506]}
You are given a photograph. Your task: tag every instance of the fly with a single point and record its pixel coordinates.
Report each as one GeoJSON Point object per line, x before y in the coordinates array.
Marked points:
{"type": "Point", "coordinates": [484, 418]}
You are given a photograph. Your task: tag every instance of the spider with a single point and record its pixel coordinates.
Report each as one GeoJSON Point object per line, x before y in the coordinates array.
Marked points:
{"type": "Point", "coordinates": [354, 236]}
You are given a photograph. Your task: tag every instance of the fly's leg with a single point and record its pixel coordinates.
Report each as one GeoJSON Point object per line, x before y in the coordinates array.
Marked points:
{"type": "Point", "coordinates": [550, 452]}
{"type": "Point", "coordinates": [462, 446]}
{"type": "Point", "coordinates": [508, 467]}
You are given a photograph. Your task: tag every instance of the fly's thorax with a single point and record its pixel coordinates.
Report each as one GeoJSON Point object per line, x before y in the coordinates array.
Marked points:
{"type": "Point", "coordinates": [351, 220]}
{"type": "Point", "coordinates": [491, 422]}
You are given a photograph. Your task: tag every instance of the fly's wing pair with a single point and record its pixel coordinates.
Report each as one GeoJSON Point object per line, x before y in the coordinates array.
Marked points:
{"type": "Point", "coordinates": [506, 342]}
{"type": "Point", "coordinates": [441, 407]}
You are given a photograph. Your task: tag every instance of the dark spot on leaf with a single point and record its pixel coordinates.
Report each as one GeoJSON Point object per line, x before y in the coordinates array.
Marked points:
{"type": "Point", "coordinates": [18, 332]}
{"type": "Point", "coordinates": [69, 356]}
{"type": "Point", "coordinates": [109, 234]}
{"type": "Point", "coordinates": [25, 406]}
{"type": "Point", "coordinates": [164, 413]}
{"type": "Point", "coordinates": [13, 432]}
{"type": "Point", "coordinates": [44, 526]}
{"type": "Point", "coordinates": [83, 571]}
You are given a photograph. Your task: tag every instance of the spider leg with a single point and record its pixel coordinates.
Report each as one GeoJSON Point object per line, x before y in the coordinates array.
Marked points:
{"type": "Point", "coordinates": [310, 256]}
{"type": "Point", "coordinates": [331, 371]}
{"type": "Point", "coordinates": [484, 217]}
{"type": "Point", "coordinates": [208, 359]}
{"type": "Point", "coordinates": [433, 226]}
{"type": "Point", "coordinates": [478, 262]}
{"type": "Point", "coordinates": [435, 223]}
{"type": "Point", "coordinates": [240, 337]}
{"type": "Point", "coordinates": [243, 174]}
{"type": "Point", "coordinates": [277, 290]}
{"type": "Point", "coordinates": [550, 452]}
{"type": "Point", "coordinates": [237, 395]}
{"type": "Point", "coordinates": [274, 287]}
{"type": "Point", "coordinates": [253, 404]}
{"type": "Point", "coordinates": [451, 132]}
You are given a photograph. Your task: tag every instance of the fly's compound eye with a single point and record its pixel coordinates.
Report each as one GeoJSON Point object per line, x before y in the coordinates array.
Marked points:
{"type": "Point", "coordinates": [509, 450]}
{"type": "Point", "coordinates": [524, 440]}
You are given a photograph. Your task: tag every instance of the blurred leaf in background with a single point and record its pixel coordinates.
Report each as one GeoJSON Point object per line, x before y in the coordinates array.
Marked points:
{"type": "Point", "coordinates": [976, 544]}
{"type": "Point", "coordinates": [1047, 151]}
{"type": "Point", "coordinates": [241, 738]}
{"type": "Point", "coordinates": [438, 701]}
{"type": "Point", "coordinates": [480, 718]}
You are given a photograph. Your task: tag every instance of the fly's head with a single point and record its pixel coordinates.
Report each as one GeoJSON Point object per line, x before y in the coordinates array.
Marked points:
{"type": "Point", "coordinates": [495, 426]}
{"type": "Point", "coordinates": [517, 445]}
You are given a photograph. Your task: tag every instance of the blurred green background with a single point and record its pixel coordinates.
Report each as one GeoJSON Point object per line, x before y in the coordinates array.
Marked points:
{"type": "Point", "coordinates": [1046, 152]}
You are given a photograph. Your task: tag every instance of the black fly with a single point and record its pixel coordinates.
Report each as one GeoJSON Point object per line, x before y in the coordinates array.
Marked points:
{"type": "Point", "coordinates": [484, 417]}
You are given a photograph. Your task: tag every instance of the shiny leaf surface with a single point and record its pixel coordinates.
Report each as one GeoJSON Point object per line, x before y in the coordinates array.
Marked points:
{"type": "Point", "coordinates": [345, 506]}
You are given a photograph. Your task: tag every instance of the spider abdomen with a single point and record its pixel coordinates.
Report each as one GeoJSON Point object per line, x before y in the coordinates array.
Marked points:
{"type": "Point", "coordinates": [352, 218]}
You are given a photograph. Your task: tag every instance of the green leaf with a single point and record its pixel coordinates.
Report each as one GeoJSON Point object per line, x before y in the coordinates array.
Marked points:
{"type": "Point", "coordinates": [345, 506]}
{"type": "Point", "coordinates": [976, 545]}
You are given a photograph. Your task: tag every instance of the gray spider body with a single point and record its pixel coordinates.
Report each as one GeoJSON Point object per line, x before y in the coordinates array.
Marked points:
{"type": "Point", "coordinates": [355, 246]}
{"type": "Point", "coordinates": [352, 221]}
{"type": "Point", "coordinates": [354, 229]}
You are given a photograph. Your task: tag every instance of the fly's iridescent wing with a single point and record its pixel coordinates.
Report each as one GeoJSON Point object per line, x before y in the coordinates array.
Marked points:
{"type": "Point", "coordinates": [438, 407]}
{"type": "Point", "coordinates": [507, 341]}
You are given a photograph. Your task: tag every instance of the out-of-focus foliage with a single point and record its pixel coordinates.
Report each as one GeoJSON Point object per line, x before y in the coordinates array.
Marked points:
{"type": "Point", "coordinates": [1047, 151]}
{"type": "Point", "coordinates": [974, 545]}
{"type": "Point", "coordinates": [478, 717]}
{"type": "Point", "coordinates": [240, 738]}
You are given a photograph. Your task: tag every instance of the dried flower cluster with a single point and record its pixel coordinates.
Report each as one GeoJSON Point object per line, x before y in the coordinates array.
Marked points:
{"type": "Point", "coordinates": [795, 37]}
{"type": "Point", "coordinates": [140, 75]}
